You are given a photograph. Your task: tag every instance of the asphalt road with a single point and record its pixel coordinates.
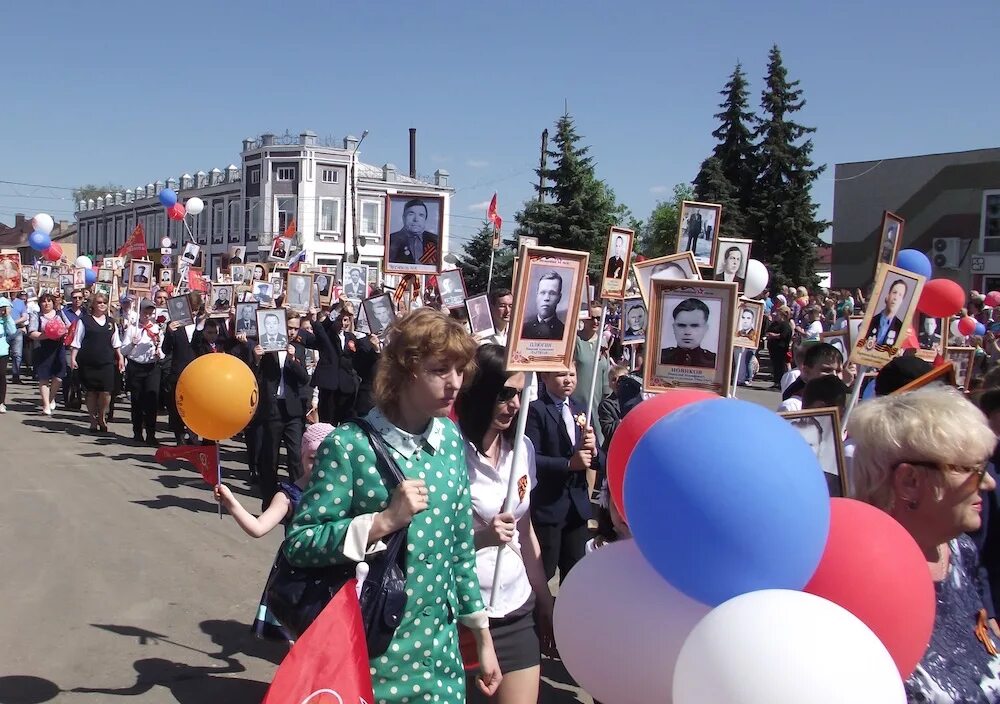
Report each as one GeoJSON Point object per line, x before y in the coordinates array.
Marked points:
{"type": "Point", "coordinates": [119, 579]}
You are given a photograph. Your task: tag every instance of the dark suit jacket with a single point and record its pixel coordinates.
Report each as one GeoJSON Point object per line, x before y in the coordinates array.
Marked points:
{"type": "Point", "coordinates": [399, 246]}
{"type": "Point", "coordinates": [359, 291]}
{"type": "Point", "coordinates": [558, 490]}
{"type": "Point", "coordinates": [552, 330]}
{"type": "Point", "coordinates": [298, 393]}
{"type": "Point", "coordinates": [896, 325]}
{"type": "Point", "coordinates": [335, 368]}
{"type": "Point", "coordinates": [721, 276]}
{"type": "Point", "coordinates": [180, 350]}
{"type": "Point", "coordinates": [616, 268]}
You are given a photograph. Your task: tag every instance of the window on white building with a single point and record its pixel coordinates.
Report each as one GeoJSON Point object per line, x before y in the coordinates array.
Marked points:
{"type": "Point", "coordinates": [331, 176]}
{"type": "Point", "coordinates": [254, 219]}
{"type": "Point", "coordinates": [286, 173]}
{"type": "Point", "coordinates": [233, 225]}
{"type": "Point", "coordinates": [284, 212]}
{"type": "Point", "coordinates": [255, 175]}
{"type": "Point", "coordinates": [371, 217]}
{"type": "Point", "coordinates": [329, 215]}
{"type": "Point", "coordinates": [991, 221]}
{"type": "Point", "coordinates": [218, 225]}
{"type": "Point", "coordinates": [328, 261]}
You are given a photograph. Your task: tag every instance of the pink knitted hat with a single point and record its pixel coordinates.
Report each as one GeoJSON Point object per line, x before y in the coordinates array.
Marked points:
{"type": "Point", "coordinates": [314, 436]}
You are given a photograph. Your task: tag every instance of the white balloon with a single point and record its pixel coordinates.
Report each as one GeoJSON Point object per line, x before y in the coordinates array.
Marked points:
{"type": "Point", "coordinates": [645, 618]}
{"type": "Point", "coordinates": [955, 332]}
{"type": "Point", "coordinates": [756, 280]}
{"type": "Point", "coordinates": [83, 262]}
{"type": "Point", "coordinates": [765, 647]}
{"type": "Point", "coordinates": [194, 205]}
{"type": "Point", "coordinates": [43, 223]}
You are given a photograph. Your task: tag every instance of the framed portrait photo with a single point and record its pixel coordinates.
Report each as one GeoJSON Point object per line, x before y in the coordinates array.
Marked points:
{"type": "Point", "coordinates": [617, 259]}
{"type": "Point", "coordinates": [929, 331]}
{"type": "Point", "coordinates": [839, 339]}
{"type": "Point", "coordinates": [451, 288]}
{"type": "Point", "coordinates": [413, 226]}
{"type": "Point", "coordinates": [237, 255]}
{"type": "Point", "coordinates": [190, 253]}
{"type": "Point", "coordinates": [731, 262]}
{"type": "Point", "coordinates": [854, 328]}
{"type": "Point", "coordinates": [546, 309]}
{"type": "Point", "coordinates": [221, 298]}
{"type": "Point", "coordinates": [324, 284]}
{"type": "Point", "coordinates": [963, 359]}
{"type": "Point", "coordinates": [79, 278]}
{"type": "Point", "coordinates": [749, 322]}
{"type": "Point", "coordinates": [140, 275]}
{"type": "Point", "coordinates": [105, 276]}
{"type": "Point", "coordinates": [10, 272]}
{"type": "Point", "coordinates": [673, 267]}
{"type": "Point", "coordinates": [277, 282]}
{"type": "Point", "coordinates": [237, 273]}
{"type": "Point", "coordinates": [263, 293]}
{"type": "Point", "coordinates": [256, 272]}
{"type": "Point", "coordinates": [380, 313]}
{"type": "Point", "coordinates": [116, 263]}
{"type": "Point", "coordinates": [942, 374]}
{"type": "Point", "coordinates": [820, 428]}
{"type": "Point", "coordinates": [45, 271]}
{"type": "Point", "coordinates": [281, 249]}
{"type": "Point", "coordinates": [690, 337]}
{"type": "Point", "coordinates": [99, 287]}
{"type": "Point", "coordinates": [634, 321]}
{"type": "Point", "coordinates": [698, 231]}
{"type": "Point", "coordinates": [166, 276]}
{"type": "Point", "coordinates": [179, 310]}
{"type": "Point", "coordinates": [480, 316]}
{"type": "Point", "coordinates": [891, 236]}
{"type": "Point", "coordinates": [355, 280]}
{"type": "Point", "coordinates": [299, 293]}
{"type": "Point", "coordinates": [246, 319]}
{"type": "Point", "coordinates": [272, 329]}
{"type": "Point", "coordinates": [888, 317]}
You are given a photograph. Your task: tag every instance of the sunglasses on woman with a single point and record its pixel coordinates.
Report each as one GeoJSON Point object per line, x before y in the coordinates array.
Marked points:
{"type": "Point", "coordinates": [507, 394]}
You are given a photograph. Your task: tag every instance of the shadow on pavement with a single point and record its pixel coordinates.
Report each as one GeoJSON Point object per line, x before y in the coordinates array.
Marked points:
{"type": "Point", "coordinates": [22, 689]}
{"type": "Point", "coordinates": [167, 501]}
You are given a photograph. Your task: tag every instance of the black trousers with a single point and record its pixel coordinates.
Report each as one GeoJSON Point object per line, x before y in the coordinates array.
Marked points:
{"type": "Point", "coordinates": [779, 362]}
{"type": "Point", "coordinates": [143, 383]}
{"type": "Point", "coordinates": [3, 378]}
{"type": "Point", "coordinates": [175, 423]}
{"type": "Point", "coordinates": [252, 437]}
{"type": "Point", "coordinates": [334, 407]}
{"type": "Point", "coordinates": [562, 545]}
{"type": "Point", "coordinates": [279, 428]}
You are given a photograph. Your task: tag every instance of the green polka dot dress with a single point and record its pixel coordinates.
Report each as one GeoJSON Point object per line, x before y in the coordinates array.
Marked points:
{"type": "Point", "coordinates": [331, 526]}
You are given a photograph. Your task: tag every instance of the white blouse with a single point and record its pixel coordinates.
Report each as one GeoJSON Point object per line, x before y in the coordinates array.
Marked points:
{"type": "Point", "coordinates": [489, 490]}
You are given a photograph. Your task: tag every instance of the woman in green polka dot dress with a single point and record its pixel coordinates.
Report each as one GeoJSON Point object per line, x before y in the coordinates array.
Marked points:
{"type": "Point", "coordinates": [346, 511]}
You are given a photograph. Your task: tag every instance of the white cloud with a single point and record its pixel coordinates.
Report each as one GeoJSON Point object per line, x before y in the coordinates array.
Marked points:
{"type": "Point", "coordinates": [477, 163]}
{"type": "Point", "coordinates": [479, 207]}
{"type": "Point", "coordinates": [657, 190]}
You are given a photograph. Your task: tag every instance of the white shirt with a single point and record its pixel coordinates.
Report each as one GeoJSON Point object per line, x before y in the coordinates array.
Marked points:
{"type": "Point", "coordinates": [792, 403]}
{"type": "Point", "coordinates": [788, 378]}
{"type": "Point", "coordinates": [488, 488]}
{"type": "Point", "coordinates": [143, 345]}
{"type": "Point", "coordinates": [81, 329]}
{"type": "Point", "coordinates": [814, 330]}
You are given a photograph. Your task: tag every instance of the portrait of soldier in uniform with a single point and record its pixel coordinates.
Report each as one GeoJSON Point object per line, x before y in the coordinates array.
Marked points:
{"type": "Point", "coordinates": [690, 325]}
{"type": "Point", "coordinates": [545, 324]}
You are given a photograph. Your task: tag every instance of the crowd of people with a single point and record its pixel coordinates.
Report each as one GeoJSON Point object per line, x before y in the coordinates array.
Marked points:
{"type": "Point", "coordinates": [444, 404]}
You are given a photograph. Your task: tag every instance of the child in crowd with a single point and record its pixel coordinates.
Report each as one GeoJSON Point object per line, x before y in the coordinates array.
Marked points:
{"type": "Point", "coordinates": [610, 524]}
{"type": "Point", "coordinates": [825, 392]}
{"type": "Point", "coordinates": [819, 359]}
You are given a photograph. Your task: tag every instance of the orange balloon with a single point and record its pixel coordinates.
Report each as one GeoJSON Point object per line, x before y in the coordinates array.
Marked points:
{"type": "Point", "coordinates": [216, 396]}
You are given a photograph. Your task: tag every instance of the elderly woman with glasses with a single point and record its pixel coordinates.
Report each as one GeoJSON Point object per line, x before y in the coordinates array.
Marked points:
{"type": "Point", "coordinates": [921, 457]}
{"type": "Point", "coordinates": [95, 351]}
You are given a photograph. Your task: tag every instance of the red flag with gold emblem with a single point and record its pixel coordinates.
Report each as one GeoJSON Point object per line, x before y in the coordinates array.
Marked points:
{"type": "Point", "coordinates": [205, 458]}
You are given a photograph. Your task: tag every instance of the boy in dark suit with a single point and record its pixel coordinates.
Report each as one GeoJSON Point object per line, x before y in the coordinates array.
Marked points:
{"type": "Point", "coordinates": [564, 451]}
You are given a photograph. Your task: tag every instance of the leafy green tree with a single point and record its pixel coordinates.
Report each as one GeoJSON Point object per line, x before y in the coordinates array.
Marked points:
{"type": "Point", "coordinates": [92, 190]}
{"type": "Point", "coordinates": [474, 261]}
{"type": "Point", "coordinates": [782, 206]}
{"type": "Point", "coordinates": [659, 235]}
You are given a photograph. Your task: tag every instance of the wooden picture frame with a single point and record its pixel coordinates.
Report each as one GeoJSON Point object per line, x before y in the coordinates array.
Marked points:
{"type": "Point", "coordinates": [140, 275]}
{"type": "Point", "coordinates": [727, 245]}
{"type": "Point", "coordinates": [179, 310]}
{"type": "Point", "coordinates": [224, 294]}
{"type": "Point", "coordinates": [11, 279]}
{"type": "Point", "coordinates": [690, 231]}
{"type": "Point", "coordinates": [893, 287]}
{"type": "Point", "coordinates": [480, 315]}
{"type": "Point", "coordinates": [617, 260]}
{"type": "Point", "coordinates": [357, 289]}
{"type": "Point", "coordinates": [397, 256]}
{"type": "Point", "coordinates": [634, 321]}
{"type": "Point", "coordinates": [682, 316]}
{"type": "Point", "coordinates": [841, 339]}
{"type": "Point", "coordinates": [890, 239]}
{"type": "Point", "coordinates": [452, 293]}
{"type": "Point", "coordinates": [963, 359]}
{"type": "Point", "coordinates": [820, 427]}
{"type": "Point", "coordinates": [543, 322]}
{"type": "Point", "coordinates": [257, 271]}
{"type": "Point", "coordinates": [299, 292]}
{"type": "Point", "coordinates": [943, 372]}
{"type": "Point", "coordinates": [245, 321]}
{"type": "Point", "coordinates": [586, 299]}
{"type": "Point", "coordinates": [273, 338]}
{"type": "Point", "coordinates": [280, 249]}
{"type": "Point", "coordinates": [748, 337]}
{"type": "Point", "coordinates": [668, 268]}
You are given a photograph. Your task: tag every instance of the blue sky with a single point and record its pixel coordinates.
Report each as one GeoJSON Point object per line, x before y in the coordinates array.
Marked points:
{"type": "Point", "coordinates": [135, 92]}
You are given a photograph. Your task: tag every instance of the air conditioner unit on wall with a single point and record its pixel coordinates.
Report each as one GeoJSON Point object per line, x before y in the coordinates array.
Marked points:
{"type": "Point", "coordinates": [946, 252]}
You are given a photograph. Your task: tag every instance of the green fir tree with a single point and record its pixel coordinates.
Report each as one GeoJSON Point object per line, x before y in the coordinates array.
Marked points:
{"type": "Point", "coordinates": [659, 235]}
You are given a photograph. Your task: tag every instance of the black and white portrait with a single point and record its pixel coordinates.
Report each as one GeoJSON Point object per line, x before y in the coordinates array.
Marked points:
{"type": "Point", "coordinates": [277, 284]}
{"type": "Point", "coordinates": [690, 334]}
{"type": "Point", "coordinates": [674, 267]}
{"type": "Point", "coordinates": [731, 264]}
{"type": "Point", "coordinates": [45, 271]}
{"type": "Point", "coordinates": [451, 286]}
{"type": "Point", "coordinates": [246, 319]}
{"type": "Point", "coordinates": [105, 276]}
{"type": "Point", "coordinates": [634, 321]}
{"type": "Point", "coordinates": [237, 256]}
{"type": "Point", "coordinates": [324, 288]}
{"type": "Point", "coordinates": [222, 298]}
{"type": "Point", "coordinates": [140, 275]}
{"type": "Point", "coordinates": [699, 231]}
{"type": "Point", "coordinates": [238, 273]}
{"type": "Point", "coordinates": [190, 253]}
{"type": "Point", "coordinates": [888, 316]}
{"type": "Point", "coordinates": [355, 280]}
{"type": "Point", "coordinates": [480, 317]}
{"type": "Point", "coordinates": [820, 428]}
{"type": "Point", "coordinates": [263, 293]}
{"type": "Point", "coordinates": [547, 303]}
{"type": "Point", "coordinates": [749, 319]}
{"type": "Point", "coordinates": [272, 327]}
{"type": "Point", "coordinates": [617, 260]}
{"type": "Point", "coordinates": [413, 233]}
{"type": "Point", "coordinates": [892, 232]}
{"type": "Point", "coordinates": [379, 313]}
{"type": "Point", "coordinates": [179, 310]}
{"type": "Point", "coordinates": [299, 295]}
{"type": "Point", "coordinates": [166, 276]}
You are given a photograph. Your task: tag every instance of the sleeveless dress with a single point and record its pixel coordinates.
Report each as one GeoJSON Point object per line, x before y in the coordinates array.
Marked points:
{"type": "Point", "coordinates": [265, 625]}
{"type": "Point", "coordinates": [96, 357]}
{"type": "Point", "coordinates": [49, 355]}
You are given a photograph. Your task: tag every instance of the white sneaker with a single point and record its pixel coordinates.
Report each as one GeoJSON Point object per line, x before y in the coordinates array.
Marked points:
{"type": "Point", "coordinates": [47, 410]}
{"type": "Point", "coordinates": [3, 408]}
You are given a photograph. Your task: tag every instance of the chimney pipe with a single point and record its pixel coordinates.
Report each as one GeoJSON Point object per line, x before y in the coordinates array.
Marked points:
{"type": "Point", "coordinates": [413, 152]}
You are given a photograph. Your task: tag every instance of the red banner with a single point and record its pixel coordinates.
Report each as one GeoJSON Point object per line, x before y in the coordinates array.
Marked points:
{"type": "Point", "coordinates": [494, 217]}
{"type": "Point", "coordinates": [197, 282]}
{"type": "Point", "coordinates": [205, 458]}
{"type": "Point", "coordinates": [135, 245]}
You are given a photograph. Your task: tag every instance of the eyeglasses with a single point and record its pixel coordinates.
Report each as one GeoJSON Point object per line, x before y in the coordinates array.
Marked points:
{"type": "Point", "coordinates": [507, 394]}
{"type": "Point", "coordinates": [978, 469]}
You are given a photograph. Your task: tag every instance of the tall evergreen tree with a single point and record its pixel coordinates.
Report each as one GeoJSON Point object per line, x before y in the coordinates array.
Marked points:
{"type": "Point", "coordinates": [734, 158]}
{"type": "Point", "coordinates": [474, 261]}
{"type": "Point", "coordinates": [659, 235]}
{"type": "Point", "coordinates": [783, 208]}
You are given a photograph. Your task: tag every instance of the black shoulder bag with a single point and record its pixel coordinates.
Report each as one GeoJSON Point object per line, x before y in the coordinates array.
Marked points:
{"type": "Point", "coordinates": [297, 595]}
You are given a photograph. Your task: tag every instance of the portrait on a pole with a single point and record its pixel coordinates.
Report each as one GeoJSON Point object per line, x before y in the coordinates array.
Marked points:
{"type": "Point", "coordinates": [749, 320]}
{"type": "Point", "coordinates": [480, 318]}
{"type": "Point", "coordinates": [888, 317]}
{"type": "Point", "coordinates": [546, 309]}
{"type": "Point", "coordinates": [617, 259]}
{"type": "Point", "coordinates": [698, 231]}
{"type": "Point", "coordinates": [634, 321]}
{"type": "Point", "coordinates": [890, 239]}
{"type": "Point", "coordinates": [413, 227]}
{"type": "Point", "coordinates": [690, 337]}
{"type": "Point", "coordinates": [731, 264]}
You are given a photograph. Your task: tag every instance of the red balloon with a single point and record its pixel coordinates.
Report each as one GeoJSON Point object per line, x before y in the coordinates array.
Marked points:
{"type": "Point", "coordinates": [53, 253]}
{"type": "Point", "coordinates": [993, 299]}
{"type": "Point", "coordinates": [55, 329]}
{"type": "Point", "coordinates": [967, 325]}
{"type": "Point", "coordinates": [176, 211]}
{"type": "Point", "coordinates": [941, 298]}
{"type": "Point", "coordinates": [634, 426]}
{"type": "Point", "coordinates": [872, 567]}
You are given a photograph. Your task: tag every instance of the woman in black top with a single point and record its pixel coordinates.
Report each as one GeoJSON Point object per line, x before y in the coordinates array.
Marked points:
{"type": "Point", "coordinates": [95, 352]}
{"type": "Point", "coordinates": [779, 340]}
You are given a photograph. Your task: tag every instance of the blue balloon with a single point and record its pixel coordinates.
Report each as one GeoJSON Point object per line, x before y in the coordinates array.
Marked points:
{"type": "Point", "coordinates": [912, 260]}
{"type": "Point", "coordinates": [39, 241]}
{"type": "Point", "coordinates": [725, 497]}
{"type": "Point", "coordinates": [167, 197]}
{"type": "Point", "coordinates": [90, 275]}
{"type": "Point", "coordinates": [980, 329]}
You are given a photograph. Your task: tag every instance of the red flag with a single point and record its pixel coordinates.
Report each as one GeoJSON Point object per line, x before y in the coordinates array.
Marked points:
{"type": "Point", "coordinates": [290, 229]}
{"type": "Point", "coordinates": [135, 245]}
{"type": "Point", "coordinates": [197, 282]}
{"type": "Point", "coordinates": [205, 458]}
{"type": "Point", "coordinates": [494, 217]}
{"type": "Point", "coordinates": [329, 663]}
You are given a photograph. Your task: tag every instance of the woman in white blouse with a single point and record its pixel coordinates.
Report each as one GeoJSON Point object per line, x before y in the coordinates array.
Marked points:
{"type": "Point", "coordinates": [142, 345]}
{"type": "Point", "coordinates": [487, 409]}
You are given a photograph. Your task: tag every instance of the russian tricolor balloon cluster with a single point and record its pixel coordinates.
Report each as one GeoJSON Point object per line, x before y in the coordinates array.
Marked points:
{"type": "Point", "coordinates": [40, 238]}
{"type": "Point", "coordinates": [177, 210]}
{"type": "Point", "coordinates": [744, 583]}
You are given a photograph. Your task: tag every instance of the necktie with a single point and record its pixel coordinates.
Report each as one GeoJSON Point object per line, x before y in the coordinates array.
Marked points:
{"type": "Point", "coordinates": [417, 247]}
{"type": "Point", "coordinates": [568, 421]}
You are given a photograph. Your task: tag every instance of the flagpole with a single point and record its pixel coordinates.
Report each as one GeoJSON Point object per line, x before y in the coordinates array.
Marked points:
{"type": "Point", "coordinates": [489, 278]}
{"type": "Point", "coordinates": [218, 465]}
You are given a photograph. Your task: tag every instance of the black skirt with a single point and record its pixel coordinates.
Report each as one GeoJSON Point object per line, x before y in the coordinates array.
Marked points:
{"type": "Point", "coordinates": [98, 377]}
{"type": "Point", "coordinates": [515, 639]}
